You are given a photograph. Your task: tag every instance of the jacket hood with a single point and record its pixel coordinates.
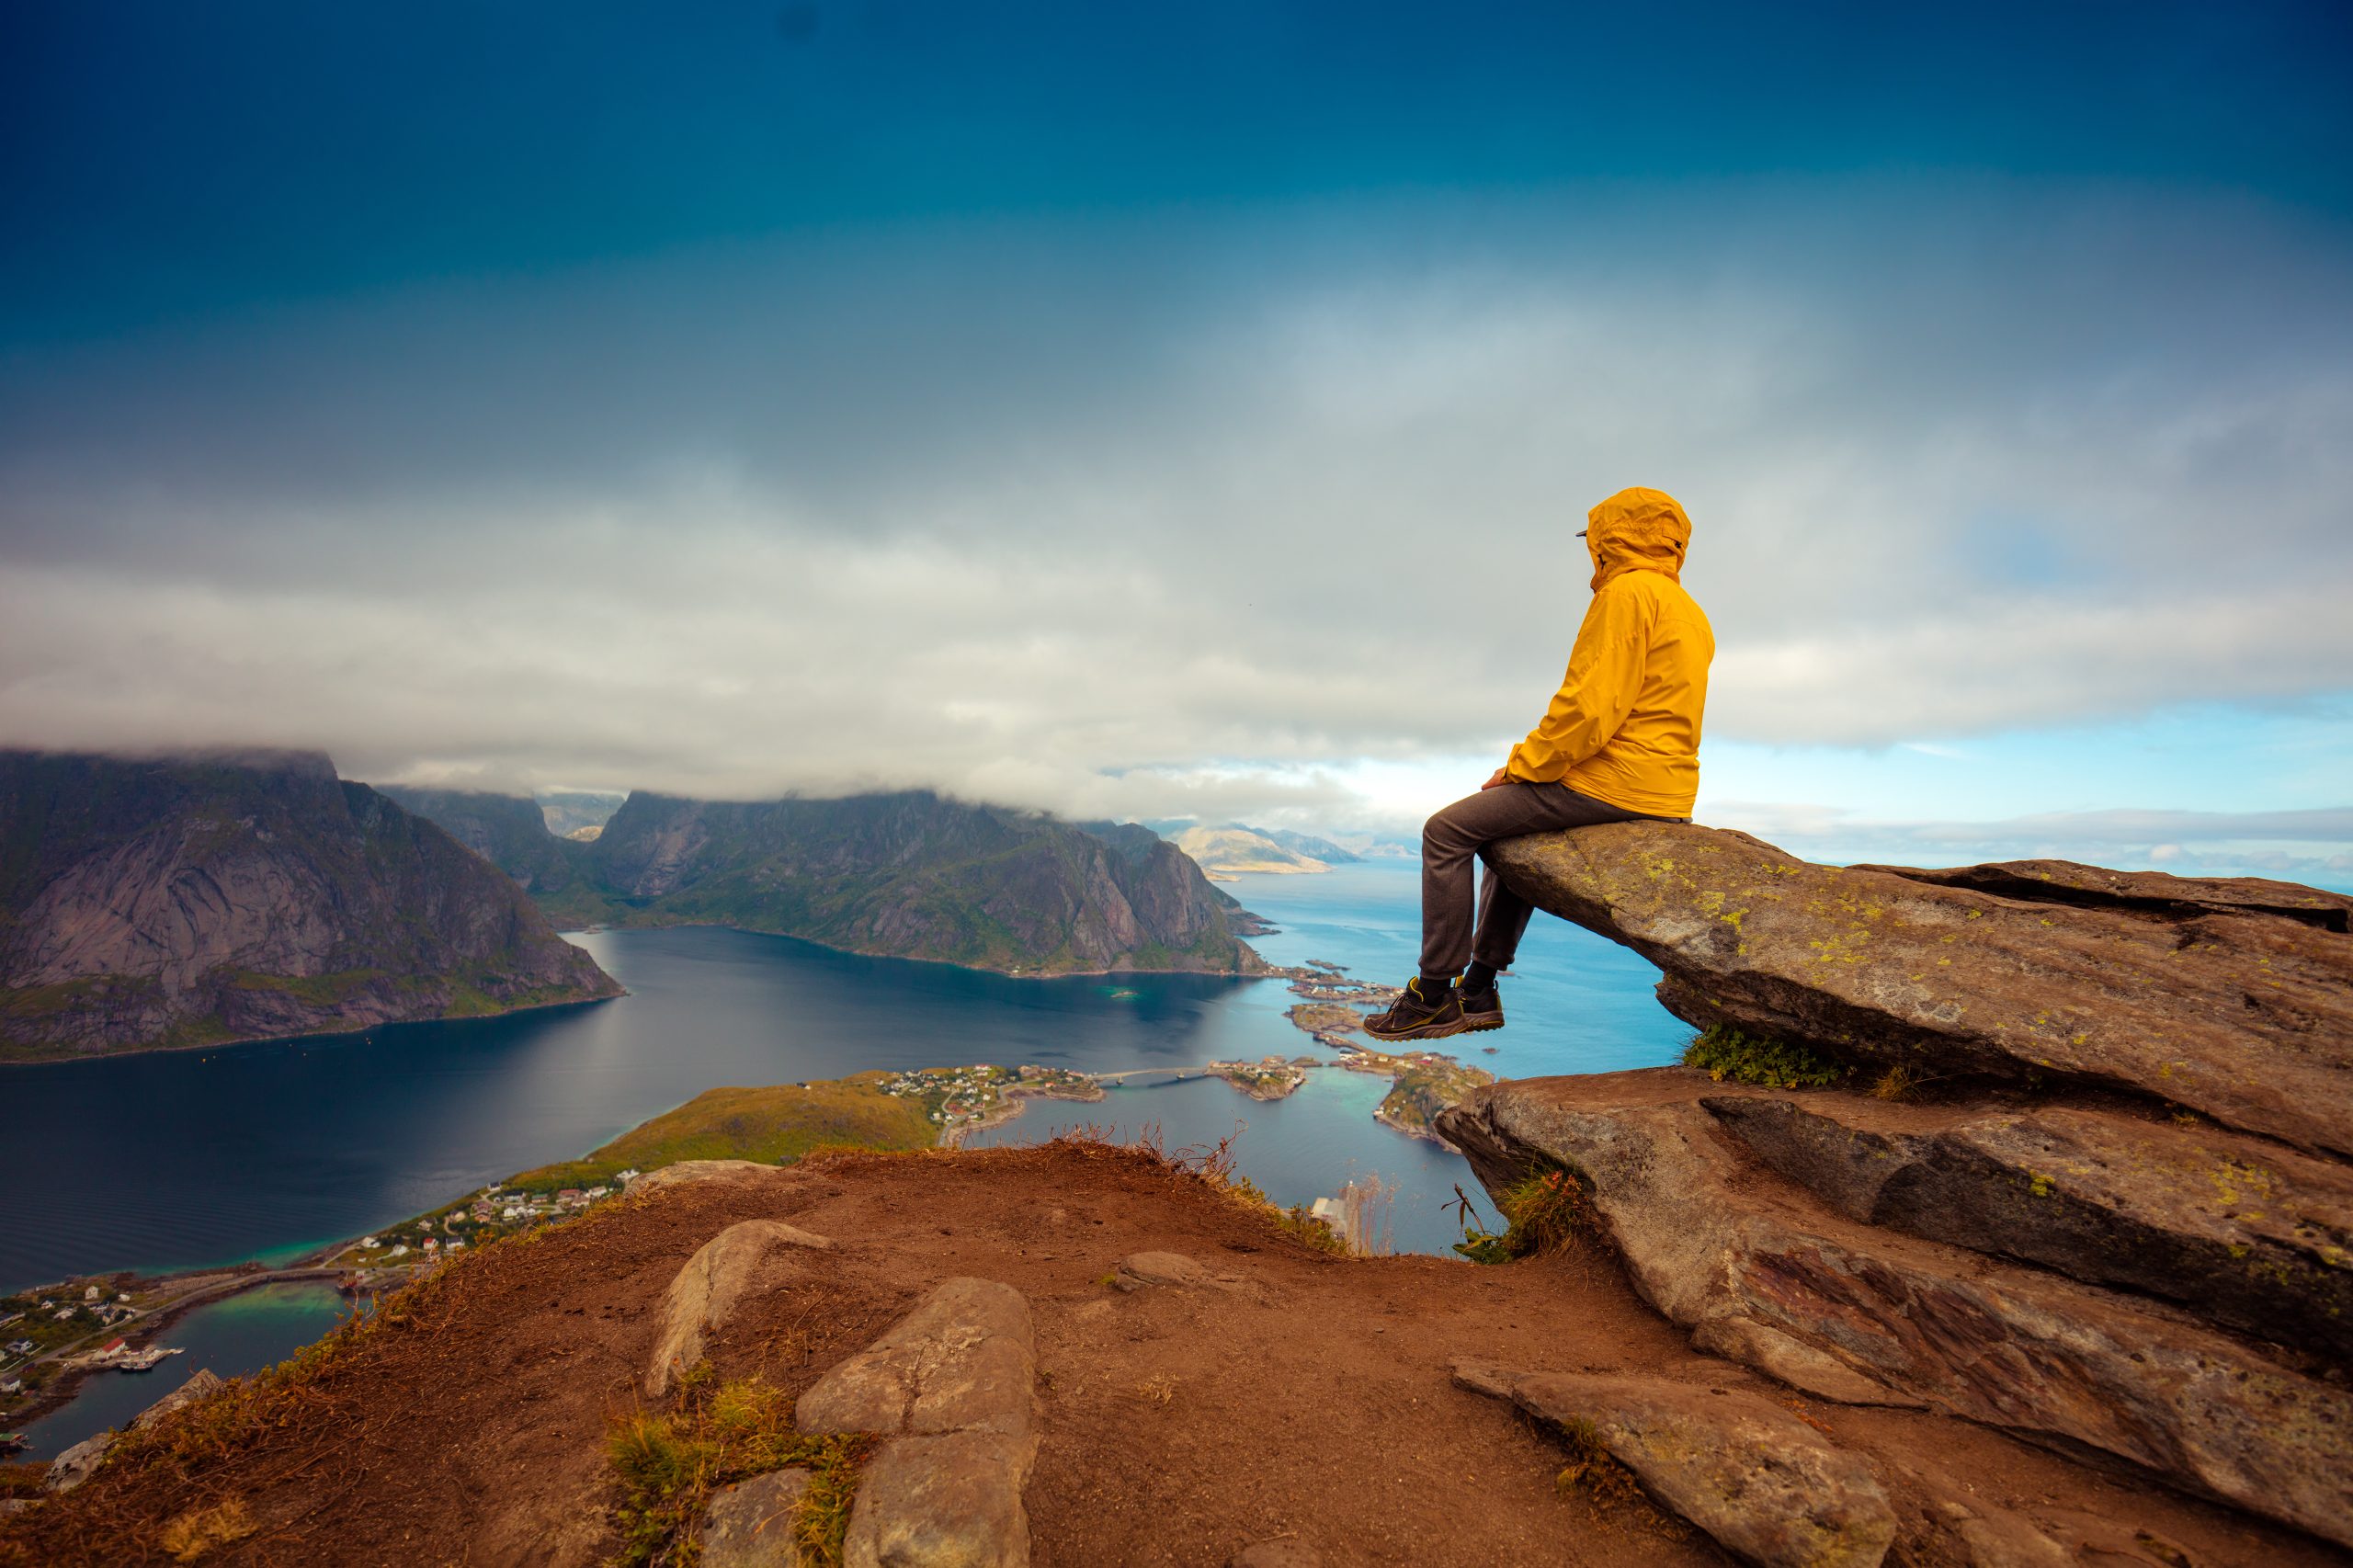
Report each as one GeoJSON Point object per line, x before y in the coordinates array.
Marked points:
{"type": "Point", "coordinates": [1637, 530]}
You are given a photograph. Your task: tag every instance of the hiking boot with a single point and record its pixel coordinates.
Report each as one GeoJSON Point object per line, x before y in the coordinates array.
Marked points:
{"type": "Point", "coordinates": [1480, 1009]}
{"type": "Point", "coordinates": [1423, 1012]}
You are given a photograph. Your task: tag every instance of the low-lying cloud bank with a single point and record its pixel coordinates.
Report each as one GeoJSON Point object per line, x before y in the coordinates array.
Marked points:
{"type": "Point", "coordinates": [2305, 846]}
{"type": "Point", "coordinates": [1077, 517]}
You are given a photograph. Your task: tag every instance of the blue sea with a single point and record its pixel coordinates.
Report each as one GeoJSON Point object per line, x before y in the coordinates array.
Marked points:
{"type": "Point", "coordinates": [179, 1159]}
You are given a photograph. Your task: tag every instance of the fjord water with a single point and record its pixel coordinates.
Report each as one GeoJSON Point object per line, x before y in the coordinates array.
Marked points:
{"type": "Point", "coordinates": [174, 1159]}
{"type": "Point", "coordinates": [243, 1333]}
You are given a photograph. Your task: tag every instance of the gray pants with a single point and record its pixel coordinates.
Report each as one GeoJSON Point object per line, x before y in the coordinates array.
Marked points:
{"type": "Point", "coordinates": [1450, 840]}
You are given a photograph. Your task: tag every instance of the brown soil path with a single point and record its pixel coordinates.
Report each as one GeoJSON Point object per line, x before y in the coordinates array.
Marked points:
{"type": "Point", "coordinates": [1312, 1400]}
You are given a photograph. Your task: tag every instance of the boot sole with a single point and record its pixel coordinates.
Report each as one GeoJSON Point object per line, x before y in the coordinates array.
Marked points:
{"type": "Point", "coordinates": [1422, 1031]}
{"type": "Point", "coordinates": [1479, 1026]}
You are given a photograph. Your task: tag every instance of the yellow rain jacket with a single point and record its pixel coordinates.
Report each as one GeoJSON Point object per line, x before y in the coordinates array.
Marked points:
{"type": "Point", "coordinates": [1625, 727]}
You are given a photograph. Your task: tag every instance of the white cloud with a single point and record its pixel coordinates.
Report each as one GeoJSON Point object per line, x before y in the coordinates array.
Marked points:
{"type": "Point", "coordinates": [1268, 514]}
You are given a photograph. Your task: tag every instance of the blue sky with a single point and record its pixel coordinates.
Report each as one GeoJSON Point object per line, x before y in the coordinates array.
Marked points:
{"type": "Point", "coordinates": [1148, 411]}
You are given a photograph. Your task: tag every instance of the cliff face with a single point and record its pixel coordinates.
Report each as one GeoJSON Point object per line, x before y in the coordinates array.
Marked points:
{"type": "Point", "coordinates": [185, 902]}
{"type": "Point", "coordinates": [511, 833]}
{"type": "Point", "coordinates": [2076, 1166]}
{"type": "Point", "coordinates": [916, 876]}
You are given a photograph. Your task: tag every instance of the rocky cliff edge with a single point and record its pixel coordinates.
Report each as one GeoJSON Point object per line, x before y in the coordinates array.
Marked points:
{"type": "Point", "coordinates": [2070, 1162]}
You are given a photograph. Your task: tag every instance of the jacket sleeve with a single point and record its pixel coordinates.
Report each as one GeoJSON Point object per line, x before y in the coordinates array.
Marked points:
{"type": "Point", "coordinates": [1604, 676]}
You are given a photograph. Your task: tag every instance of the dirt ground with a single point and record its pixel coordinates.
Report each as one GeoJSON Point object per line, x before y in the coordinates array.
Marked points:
{"type": "Point", "coordinates": [1311, 1400]}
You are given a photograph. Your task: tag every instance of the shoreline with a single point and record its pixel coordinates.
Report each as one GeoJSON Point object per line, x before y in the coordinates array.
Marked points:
{"type": "Point", "coordinates": [1269, 970]}
{"type": "Point", "coordinates": [1012, 1103]}
{"type": "Point", "coordinates": [66, 1387]}
{"type": "Point", "coordinates": [9, 1062]}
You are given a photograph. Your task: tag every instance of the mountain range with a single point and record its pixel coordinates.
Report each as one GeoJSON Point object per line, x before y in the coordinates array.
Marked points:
{"type": "Point", "coordinates": [195, 899]}
{"type": "Point", "coordinates": [910, 875]}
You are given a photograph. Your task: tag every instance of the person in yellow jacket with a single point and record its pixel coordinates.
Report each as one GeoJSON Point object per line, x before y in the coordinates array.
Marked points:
{"type": "Point", "coordinates": [1620, 742]}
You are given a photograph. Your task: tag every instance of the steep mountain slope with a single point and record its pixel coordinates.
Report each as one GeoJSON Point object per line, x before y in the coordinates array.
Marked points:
{"type": "Point", "coordinates": [1232, 851]}
{"type": "Point", "coordinates": [511, 832]}
{"type": "Point", "coordinates": [189, 901]}
{"type": "Point", "coordinates": [916, 876]}
{"type": "Point", "coordinates": [1305, 843]}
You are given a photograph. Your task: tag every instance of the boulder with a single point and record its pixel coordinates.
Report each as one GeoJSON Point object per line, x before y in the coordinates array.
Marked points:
{"type": "Point", "coordinates": [2232, 999]}
{"type": "Point", "coordinates": [964, 1358]}
{"type": "Point", "coordinates": [1768, 1487]}
{"type": "Point", "coordinates": [953, 1386]}
{"type": "Point", "coordinates": [687, 1172]}
{"type": "Point", "coordinates": [77, 1464]}
{"type": "Point", "coordinates": [1142, 1270]}
{"type": "Point", "coordinates": [2242, 1231]}
{"type": "Point", "coordinates": [200, 1383]}
{"type": "Point", "coordinates": [1858, 1314]}
{"type": "Point", "coordinates": [749, 1525]}
{"type": "Point", "coordinates": [707, 1289]}
{"type": "Point", "coordinates": [949, 1501]}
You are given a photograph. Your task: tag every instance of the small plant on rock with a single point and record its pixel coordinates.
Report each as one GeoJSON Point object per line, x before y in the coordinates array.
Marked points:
{"type": "Point", "coordinates": [1723, 1052]}
{"type": "Point", "coordinates": [1896, 1084]}
{"type": "Point", "coordinates": [1593, 1468]}
{"type": "Point", "coordinates": [1544, 1212]}
{"type": "Point", "coordinates": [670, 1464]}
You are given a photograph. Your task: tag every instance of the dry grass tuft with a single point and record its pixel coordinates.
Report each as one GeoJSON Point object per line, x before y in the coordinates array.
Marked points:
{"type": "Point", "coordinates": [669, 1465]}
{"type": "Point", "coordinates": [198, 1530]}
{"type": "Point", "coordinates": [1212, 1165]}
{"type": "Point", "coordinates": [1896, 1084]}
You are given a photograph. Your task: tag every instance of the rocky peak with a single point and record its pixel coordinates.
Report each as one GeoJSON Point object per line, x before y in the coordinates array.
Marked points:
{"type": "Point", "coordinates": [196, 900]}
{"type": "Point", "coordinates": [2075, 1166]}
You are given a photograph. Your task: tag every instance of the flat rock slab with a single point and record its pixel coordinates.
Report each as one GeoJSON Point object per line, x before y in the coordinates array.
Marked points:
{"type": "Point", "coordinates": [1142, 1270]}
{"type": "Point", "coordinates": [707, 1289]}
{"type": "Point", "coordinates": [749, 1525]}
{"type": "Point", "coordinates": [949, 1501]}
{"type": "Point", "coordinates": [2242, 1232]}
{"type": "Point", "coordinates": [964, 1360]}
{"type": "Point", "coordinates": [1767, 1486]}
{"type": "Point", "coordinates": [688, 1172]}
{"type": "Point", "coordinates": [2157, 894]}
{"type": "Point", "coordinates": [2244, 1013]}
{"type": "Point", "coordinates": [953, 1385]}
{"type": "Point", "coordinates": [1862, 1314]}
{"type": "Point", "coordinates": [1172, 1270]}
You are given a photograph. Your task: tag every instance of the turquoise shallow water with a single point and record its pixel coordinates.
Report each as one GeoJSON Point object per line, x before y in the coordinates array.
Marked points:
{"type": "Point", "coordinates": [1577, 1004]}
{"type": "Point", "coordinates": [189, 1158]}
{"type": "Point", "coordinates": [182, 1159]}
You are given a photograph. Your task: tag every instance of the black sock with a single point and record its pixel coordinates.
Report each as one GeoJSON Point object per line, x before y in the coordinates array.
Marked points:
{"type": "Point", "coordinates": [1479, 977]}
{"type": "Point", "coordinates": [1436, 984]}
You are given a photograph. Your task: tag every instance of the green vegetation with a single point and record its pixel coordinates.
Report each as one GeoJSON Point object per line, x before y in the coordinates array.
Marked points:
{"type": "Point", "coordinates": [318, 990]}
{"type": "Point", "coordinates": [1723, 1052]}
{"type": "Point", "coordinates": [1294, 1221]}
{"type": "Point", "coordinates": [912, 875]}
{"type": "Point", "coordinates": [1544, 1212]}
{"type": "Point", "coordinates": [720, 1433]}
{"type": "Point", "coordinates": [575, 907]}
{"type": "Point", "coordinates": [773, 1125]}
{"type": "Point", "coordinates": [1423, 1089]}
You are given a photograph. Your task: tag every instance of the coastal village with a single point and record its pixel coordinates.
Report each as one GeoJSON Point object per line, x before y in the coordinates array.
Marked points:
{"type": "Point", "coordinates": [60, 1334]}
